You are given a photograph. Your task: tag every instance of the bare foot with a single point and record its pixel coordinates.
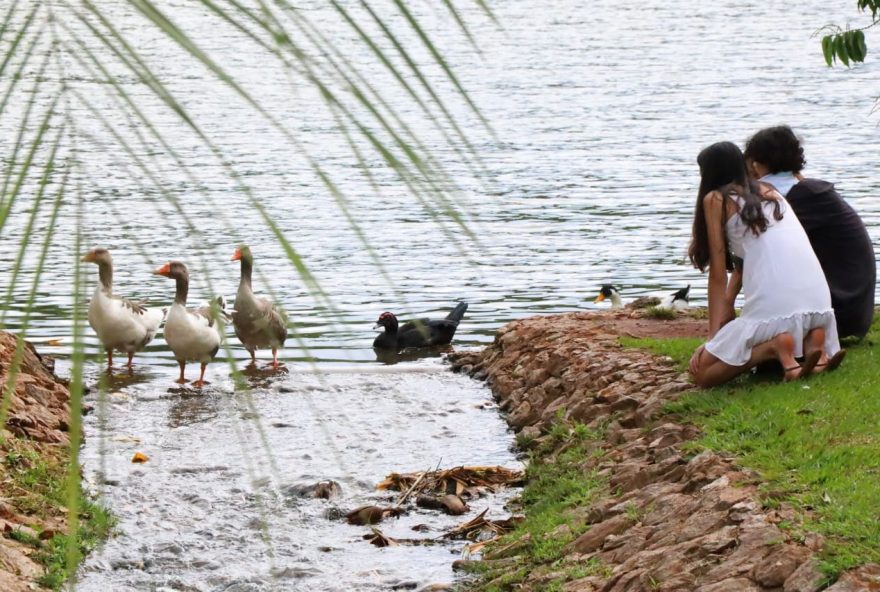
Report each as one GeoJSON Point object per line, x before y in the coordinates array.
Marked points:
{"type": "Point", "coordinates": [200, 383]}
{"type": "Point", "coordinates": [181, 381]}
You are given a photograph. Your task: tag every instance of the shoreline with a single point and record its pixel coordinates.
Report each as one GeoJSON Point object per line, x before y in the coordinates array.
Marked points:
{"type": "Point", "coordinates": [35, 476]}
{"type": "Point", "coordinates": [659, 518]}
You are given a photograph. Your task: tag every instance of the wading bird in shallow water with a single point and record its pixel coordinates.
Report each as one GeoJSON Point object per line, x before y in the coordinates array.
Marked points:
{"type": "Point", "coordinates": [120, 324]}
{"type": "Point", "coordinates": [418, 333]}
{"type": "Point", "coordinates": [193, 334]}
{"type": "Point", "coordinates": [258, 322]}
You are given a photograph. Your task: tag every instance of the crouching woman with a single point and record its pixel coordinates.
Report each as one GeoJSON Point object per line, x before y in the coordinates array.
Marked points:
{"type": "Point", "coordinates": [787, 310]}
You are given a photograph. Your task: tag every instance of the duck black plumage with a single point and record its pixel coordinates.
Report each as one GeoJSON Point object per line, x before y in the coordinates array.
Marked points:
{"type": "Point", "coordinates": [418, 333]}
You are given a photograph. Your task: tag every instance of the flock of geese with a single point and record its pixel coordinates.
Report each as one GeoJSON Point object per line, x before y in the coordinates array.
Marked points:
{"type": "Point", "coordinates": [195, 334]}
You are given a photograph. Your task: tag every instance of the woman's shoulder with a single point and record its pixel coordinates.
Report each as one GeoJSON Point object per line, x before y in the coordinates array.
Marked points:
{"type": "Point", "coordinates": [768, 192]}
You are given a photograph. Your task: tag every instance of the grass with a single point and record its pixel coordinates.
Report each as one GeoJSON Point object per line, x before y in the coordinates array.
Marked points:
{"type": "Point", "coordinates": [556, 482]}
{"type": "Point", "coordinates": [33, 479]}
{"type": "Point", "coordinates": [816, 443]}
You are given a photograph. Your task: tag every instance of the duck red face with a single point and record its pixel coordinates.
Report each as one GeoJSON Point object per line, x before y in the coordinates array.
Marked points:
{"type": "Point", "coordinates": [386, 319]}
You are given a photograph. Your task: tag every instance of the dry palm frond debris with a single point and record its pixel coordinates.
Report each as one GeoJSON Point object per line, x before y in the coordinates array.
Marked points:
{"type": "Point", "coordinates": [378, 538]}
{"type": "Point", "coordinates": [474, 527]}
{"type": "Point", "coordinates": [457, 480]}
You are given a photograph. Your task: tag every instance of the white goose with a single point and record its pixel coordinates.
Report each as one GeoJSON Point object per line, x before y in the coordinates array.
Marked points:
{"type": "Point", "coordinates": [193, 334]}
{"type": "Point", "coordinates": [120, 324]}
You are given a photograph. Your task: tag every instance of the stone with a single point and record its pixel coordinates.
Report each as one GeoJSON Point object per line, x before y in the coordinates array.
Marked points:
{"type": "Point", "coordinates": [862, 579]}
{"type": "Point", "coordinates": [775, 569]}
{"type": "Point", "coordinates": [731, 585]}
{"type": "Point", "coordinates": [806, 578]}
{"type": "Point", "coordinates": [594, 538]}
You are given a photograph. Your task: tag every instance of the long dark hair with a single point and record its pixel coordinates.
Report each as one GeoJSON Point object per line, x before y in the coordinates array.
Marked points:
{"type": "Point", "coordinates": [723, 169]}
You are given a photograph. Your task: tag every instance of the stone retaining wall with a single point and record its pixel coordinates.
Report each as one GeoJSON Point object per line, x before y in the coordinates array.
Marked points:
{"type": "Point", "coordinates": [668, 521]}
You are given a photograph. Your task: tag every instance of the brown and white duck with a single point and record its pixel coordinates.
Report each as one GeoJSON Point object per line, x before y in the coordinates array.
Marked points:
{"type": "Point", "coordinates": [258, 322]}
{"type": "Point", "coordinates": [418, 333]}
{"type": "Point", "coordinates": [121, 324]}
{"type": "Point", "coordinates": [193, 334]}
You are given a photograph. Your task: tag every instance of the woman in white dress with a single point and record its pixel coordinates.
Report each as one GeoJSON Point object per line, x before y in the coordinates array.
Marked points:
{"type": "Point", "coordinates": [787, 309]}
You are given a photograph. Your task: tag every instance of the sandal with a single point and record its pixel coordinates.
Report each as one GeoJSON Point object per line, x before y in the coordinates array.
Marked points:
{"type": "Point", "coordinates": [834, 361]}
{"type": "Point", "coordinates": [810, 363]}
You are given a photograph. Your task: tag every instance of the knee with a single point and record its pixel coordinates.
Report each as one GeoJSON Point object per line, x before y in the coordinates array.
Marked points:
{"type": "Point", "coordinates": [701, 380]}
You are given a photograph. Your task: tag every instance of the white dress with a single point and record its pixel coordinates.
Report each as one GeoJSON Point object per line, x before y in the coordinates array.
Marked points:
{"type": "Point", "coordinates": [784, 287]}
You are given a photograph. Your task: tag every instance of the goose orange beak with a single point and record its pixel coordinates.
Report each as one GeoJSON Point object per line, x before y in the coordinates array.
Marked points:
{"type": "Point", "coordinates": [88, 257]}
{"type": "Point", "coordinates": [164, 270]}
{"type": "Point", "coordinates": [599, 298]}
{"type": "Point", "coordinates": [236, 256]}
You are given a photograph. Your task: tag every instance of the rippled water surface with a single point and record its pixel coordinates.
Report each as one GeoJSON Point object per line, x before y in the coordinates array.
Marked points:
{"type": "Point", "coordinates": [598, 110]}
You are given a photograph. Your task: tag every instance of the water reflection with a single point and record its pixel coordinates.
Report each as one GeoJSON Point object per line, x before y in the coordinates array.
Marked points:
{"type": "Point", "coordinates": [391, 357]}
{"type": "Point", "coordinates": [191, 408]}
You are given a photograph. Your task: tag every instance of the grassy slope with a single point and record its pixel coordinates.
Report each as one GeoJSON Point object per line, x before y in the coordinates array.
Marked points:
{"type": "Point", "coordinates": [557, 484]}
{"type": "Point", "coordinates": [33, 478]}
{"type": "Point", "coordinates": [816, 442]}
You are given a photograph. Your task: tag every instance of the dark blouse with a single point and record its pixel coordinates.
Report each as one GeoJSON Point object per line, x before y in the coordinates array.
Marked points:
{"type": "Point", "coordinates": [844, 250]}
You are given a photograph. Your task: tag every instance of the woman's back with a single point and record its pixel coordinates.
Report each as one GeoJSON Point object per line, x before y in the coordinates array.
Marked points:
{"type": "Point", "coordinates": [781, 274]}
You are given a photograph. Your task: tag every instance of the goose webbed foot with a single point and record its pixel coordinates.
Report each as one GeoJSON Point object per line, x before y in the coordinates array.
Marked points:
{"type": "Point", "coordinates": [181, 380]}
{"type": "Point", "coordinates": [201, 381]}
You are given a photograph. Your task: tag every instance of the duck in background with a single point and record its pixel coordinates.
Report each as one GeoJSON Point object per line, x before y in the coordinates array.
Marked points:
{"type": "Point", "coordinates": [418, 333]}
{"type": "Point", "coordinates": [678, 300]}
{"type": "Point", "coordinates": [258, 322]}
{"type": "Point", "coordinates": [121, 324]}
{"type": "Point", "coordinates": [193, 334]}
{"type": "Point", "coordinates": [608, 291]}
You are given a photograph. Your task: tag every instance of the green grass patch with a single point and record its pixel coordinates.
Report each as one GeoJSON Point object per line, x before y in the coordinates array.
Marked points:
{"type": "Point", "coordinates": [679, 350]}
{"type": "Point", "coordinates": [556, 482]}
{"type": "Point", "coordinates": [33, 479]}
{"type": "Point", "coordinates": [816, 442]}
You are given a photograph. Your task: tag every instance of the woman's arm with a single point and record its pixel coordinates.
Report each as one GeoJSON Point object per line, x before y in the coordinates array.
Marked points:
{"type": "Point", "coordinates": [713, 207]}
{"type": "Point", "coordinates": [734, 285]}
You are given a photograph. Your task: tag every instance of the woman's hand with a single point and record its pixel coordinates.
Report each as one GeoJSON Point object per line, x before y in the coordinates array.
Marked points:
{"type": "Point", "coordinates": [694, 364]}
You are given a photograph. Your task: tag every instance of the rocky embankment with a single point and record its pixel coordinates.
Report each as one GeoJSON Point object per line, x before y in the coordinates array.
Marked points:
{"type": "Point", "coordinates": [35, 436]}
{"type": "Point", "coordinates": [668, 520]}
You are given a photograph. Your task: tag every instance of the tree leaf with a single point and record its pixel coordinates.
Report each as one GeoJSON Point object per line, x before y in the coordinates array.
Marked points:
{"type": "Point", "coordinates": [828, 50]}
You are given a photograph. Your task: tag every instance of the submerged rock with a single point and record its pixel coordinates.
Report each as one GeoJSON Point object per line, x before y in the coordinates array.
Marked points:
{"type": "Point", "coordinates": [323, 490]}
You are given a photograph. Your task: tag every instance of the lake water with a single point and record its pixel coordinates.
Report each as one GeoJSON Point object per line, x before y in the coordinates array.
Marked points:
{"type": "Point", "coordinates": [598, 111]}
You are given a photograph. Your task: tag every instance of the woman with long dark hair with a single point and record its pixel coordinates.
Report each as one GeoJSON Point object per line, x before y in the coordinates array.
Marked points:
{"type": "Point", "coordinates": [787, 310]}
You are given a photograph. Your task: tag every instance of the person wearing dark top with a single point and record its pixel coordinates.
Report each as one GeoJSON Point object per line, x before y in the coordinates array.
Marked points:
{"type": "Point", "coordinates": [837, 234]}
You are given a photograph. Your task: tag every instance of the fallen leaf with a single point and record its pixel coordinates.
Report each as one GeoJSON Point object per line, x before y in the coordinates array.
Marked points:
{"type": "Point", "coordinates": [140, 458]}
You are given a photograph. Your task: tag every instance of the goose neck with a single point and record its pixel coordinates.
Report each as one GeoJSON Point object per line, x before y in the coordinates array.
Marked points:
{"type": "Point", "coordinates": [105, 276]}
{"type": "Point", "coordinates": [182, 290]}
{"type": "Point", "coordinates": [247, 271]}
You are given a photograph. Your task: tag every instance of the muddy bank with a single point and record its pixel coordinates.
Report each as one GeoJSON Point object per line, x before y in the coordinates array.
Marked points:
{"type": "Point", "coordinates": [34, 443]}
{"type": "Point", "coordinates": [666, 519]}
